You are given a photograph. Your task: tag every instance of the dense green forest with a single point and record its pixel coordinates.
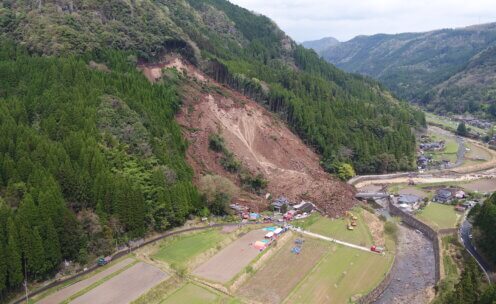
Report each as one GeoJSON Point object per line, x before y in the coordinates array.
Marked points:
{"type": "Point", "coordinates": [485, 222]}
{"type": "Point", "coordinates": [102, 145]}
{"type": "Point", "coordinates": [470, 289]}
{"type": "Point", "coordinates": [346, 118]}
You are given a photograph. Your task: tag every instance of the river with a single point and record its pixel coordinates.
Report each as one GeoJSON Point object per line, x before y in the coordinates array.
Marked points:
{"type": "Point", "coordinates": [413, 276]}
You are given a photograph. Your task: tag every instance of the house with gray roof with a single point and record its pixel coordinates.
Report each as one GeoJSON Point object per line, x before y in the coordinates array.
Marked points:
{"type": "Point", "coordinates": [443, 195]}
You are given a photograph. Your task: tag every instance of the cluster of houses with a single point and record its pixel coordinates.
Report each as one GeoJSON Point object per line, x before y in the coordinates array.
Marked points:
{"type": "Point", "coordinates": [410, 202]}
{"type": "Point", "coordinates": [284, 210]}
{"type": "Point", "coordinates": [473, 121]}
{"type": "Point", "coordinates": [425, 160]}
{"type": "Point", "coordinates": [290, 210]}
{"type": "Point", "coordinates": [432, 146]}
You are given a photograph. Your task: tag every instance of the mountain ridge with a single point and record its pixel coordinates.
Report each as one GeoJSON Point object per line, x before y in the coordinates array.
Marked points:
{"type": "Point", "coordinates": [418, 66]}
{"type": "Point", "coordinates": [320, 44]}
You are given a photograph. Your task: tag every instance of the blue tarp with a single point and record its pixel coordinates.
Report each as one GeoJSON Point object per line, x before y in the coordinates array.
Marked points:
{"type": "Point", "coordinates": [296, 250]}
{"type": "Point", "coordinates": [270, 229]}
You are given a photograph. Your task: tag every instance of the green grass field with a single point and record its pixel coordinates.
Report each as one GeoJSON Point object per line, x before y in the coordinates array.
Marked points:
{"type": "Point", "coordinates": [439, 216]}
{"type": "Point", "coordinates": [338, 229]}
{"type": "Point", "coordinates": [342, 274]}
{"type": "Point", "coordinates": [194, 294]}
{"type": "Point", "coordinates": [450, 151]}
{"type": "Point", "coordinates": [182, 249]}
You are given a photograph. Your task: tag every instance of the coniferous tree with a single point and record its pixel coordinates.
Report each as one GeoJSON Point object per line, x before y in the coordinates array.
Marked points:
{"type": "Point", "coordinates": [14, 263]}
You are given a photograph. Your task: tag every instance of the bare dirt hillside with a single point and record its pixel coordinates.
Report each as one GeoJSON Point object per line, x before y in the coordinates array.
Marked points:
{"type": "Point", "coordinates": [256, 137]}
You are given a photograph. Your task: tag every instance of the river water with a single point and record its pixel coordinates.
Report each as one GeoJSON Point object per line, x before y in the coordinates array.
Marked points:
{"type": "Point", "coordinates": [413, 276]}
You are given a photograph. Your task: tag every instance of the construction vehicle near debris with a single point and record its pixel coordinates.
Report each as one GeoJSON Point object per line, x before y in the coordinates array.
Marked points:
{"type": "Point", "coordinates": [352, 222]}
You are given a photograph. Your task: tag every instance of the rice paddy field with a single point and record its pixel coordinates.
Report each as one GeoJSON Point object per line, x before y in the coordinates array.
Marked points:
{"type": "Point", "coordinates": [439, 216]}
{"type": "Point", "coordinates": [283, 271]}
{"type": "Point", "coordinates": [343, 275]}
{"type": "Point", "coordinates": [194, 294]}
{"type": "Point", "coordinates": [225, 267]}
{"type": "Point", "coordinates": [337, 228]}
{"type": "Point", "coordinates": [180, 250]}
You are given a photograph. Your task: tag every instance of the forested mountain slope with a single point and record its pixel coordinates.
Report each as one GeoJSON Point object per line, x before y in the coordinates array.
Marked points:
{"type": "Point", "coordinates": [346, 118]}
{"type": "Point", "coordinates": [102, 145]}
{"type": "Point", "coordinates": [448, 70]}
{"type": "Point", "coordinates": [90, 153]}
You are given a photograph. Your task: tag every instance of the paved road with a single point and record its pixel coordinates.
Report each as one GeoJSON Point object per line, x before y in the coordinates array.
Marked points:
{"type": "Point", "coordinates": [465, 232]}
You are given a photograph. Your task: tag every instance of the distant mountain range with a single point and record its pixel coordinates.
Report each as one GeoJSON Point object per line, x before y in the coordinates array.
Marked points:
{"type": "Point", "coordinates": [321, 44]}
{"type": "Point", "coordinates": [447, 71]}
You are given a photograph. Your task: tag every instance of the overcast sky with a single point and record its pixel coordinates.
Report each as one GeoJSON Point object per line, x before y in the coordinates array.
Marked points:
{"type": "Point", "coordinates": [345, 19]}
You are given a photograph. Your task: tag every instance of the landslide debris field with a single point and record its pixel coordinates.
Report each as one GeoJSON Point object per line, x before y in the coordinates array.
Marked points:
{"type": "Point", "coordinates": [257, 138]}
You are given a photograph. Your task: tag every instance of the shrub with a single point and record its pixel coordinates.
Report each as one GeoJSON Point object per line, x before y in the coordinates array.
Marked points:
{"type": "Point", "coordinates": [391, 229]}
{"type": "Point", "coordinates": [216, 142]}
{"type": "Point", "coordinates": [256, 183]}
{"type": "Point", "coordinates": [230, 163]}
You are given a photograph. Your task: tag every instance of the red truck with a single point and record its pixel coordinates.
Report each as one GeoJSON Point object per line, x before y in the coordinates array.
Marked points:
{"type": "Point", "coordinates": [377, 249]}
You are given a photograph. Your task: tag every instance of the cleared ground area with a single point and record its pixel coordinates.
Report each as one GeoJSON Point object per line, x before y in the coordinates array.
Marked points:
{"type": "Point", "coordinates": [223, 266]}
{"type": "Point", "coordinates": [439, 216]}
{"type": "Point", "coordinates": [125, 287]}
{"type": "Point", "coordinates": [283, 271]}
{"type": "Point", "coordinates": [482, 185]}
{"type": "Point", "coordinates": [65, 293]}
{"type": "Point", "coordinates": [344, 274]}
{"type": "Point", "coordinates": [413, 191]}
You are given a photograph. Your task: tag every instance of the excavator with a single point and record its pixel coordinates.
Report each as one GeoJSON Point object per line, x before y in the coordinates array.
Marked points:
{"type": "Point", "coordinates": [350, 225]}
{"type": "Point", "coordinates": [352, 222]}
{"type": "Point", "coordinates": [351, 215]}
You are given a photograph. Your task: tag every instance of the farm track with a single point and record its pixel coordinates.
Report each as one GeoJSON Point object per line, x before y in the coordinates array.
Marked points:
{"type": "Point", "coordinates": [325, 238]}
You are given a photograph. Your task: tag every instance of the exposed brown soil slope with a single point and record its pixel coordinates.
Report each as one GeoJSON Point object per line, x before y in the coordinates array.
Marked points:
{"type": "Point", "coordinates": [260, 140]}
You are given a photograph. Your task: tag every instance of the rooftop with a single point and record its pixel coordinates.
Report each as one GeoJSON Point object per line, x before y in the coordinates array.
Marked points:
{"type": "Point", "coordinates": [408, 199]}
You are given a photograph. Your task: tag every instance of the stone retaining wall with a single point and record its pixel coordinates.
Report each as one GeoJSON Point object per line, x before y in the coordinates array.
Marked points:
{"type": "Point", "coordinates": [376, 293]}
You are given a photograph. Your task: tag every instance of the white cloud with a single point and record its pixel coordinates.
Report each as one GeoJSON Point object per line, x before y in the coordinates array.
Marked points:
{"type": "Point", "coordinates": [344, 19]}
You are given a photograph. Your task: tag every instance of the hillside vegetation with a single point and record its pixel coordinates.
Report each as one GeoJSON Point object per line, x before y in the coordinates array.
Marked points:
{"type": "Point", "coordinates": [103, 145]}
{"type": "Point", "coordinates": [448, 71]}
{"type": "Point", "coordinates": [344, 117]}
